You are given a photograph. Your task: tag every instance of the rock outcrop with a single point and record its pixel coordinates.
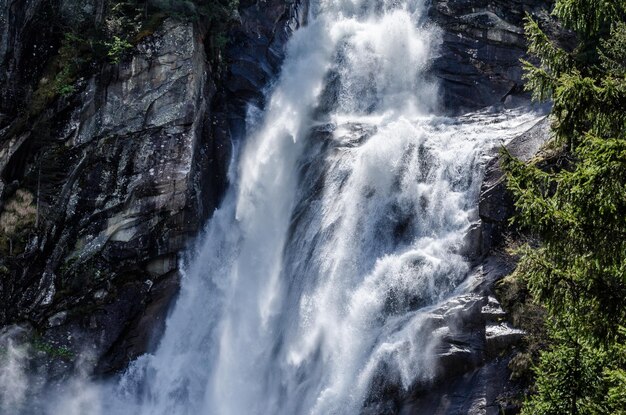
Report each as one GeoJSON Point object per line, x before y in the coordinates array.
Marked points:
{"type": "Point", "coordinates": [121, 171]}
{"type": "Point", "coordinates": [472, 351]}
{"type": "Point", "coordinates": [479, 342]}
{"type": "Point", "coordinates": [468, 340]}
{"type": "Point", "coordinates": [482, 43]}
{"type": "Point", "coordinates": [495, 206]}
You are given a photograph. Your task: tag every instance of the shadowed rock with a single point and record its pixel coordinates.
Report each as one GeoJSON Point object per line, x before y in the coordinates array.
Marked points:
{"type": "Point", "coordinates": [482, 42]}
{"type": "Point", "coordinates": [495, 206]}
{"type": "Point", "coordinates": [125, 170]}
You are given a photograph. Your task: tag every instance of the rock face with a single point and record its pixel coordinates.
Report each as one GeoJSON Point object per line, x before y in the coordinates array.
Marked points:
{"type": "Point", "coordinates": [467, 345]}
{"type": "Point", "coordinates": [115, 170]}
{"type": "Point", "coordinates": [477, 342]}
{"type": "Point", "coordinates": [29, 39]}
{"type": "Point", "coordinates": [482, 42]}
{"type": "Point", "coordinates": [472, 353]}
{"type": "Point", "coordinates": [495, 206]}
{"type": "Point", "coordinates": [116, 179]}
{"type": "Point", "coordinates": [123, 171]}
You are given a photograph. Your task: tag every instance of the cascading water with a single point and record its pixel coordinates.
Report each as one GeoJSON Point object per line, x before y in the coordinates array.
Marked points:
{"type": "Point", "coordinates": [345, 220]}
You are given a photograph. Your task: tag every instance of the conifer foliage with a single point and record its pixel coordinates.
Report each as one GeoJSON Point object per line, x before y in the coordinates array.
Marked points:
{"type": "Point", "coordinates": [577, 211]}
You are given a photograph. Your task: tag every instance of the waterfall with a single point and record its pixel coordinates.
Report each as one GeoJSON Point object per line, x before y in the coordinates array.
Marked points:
{"type": "Point", "coordinates": [346, 219]}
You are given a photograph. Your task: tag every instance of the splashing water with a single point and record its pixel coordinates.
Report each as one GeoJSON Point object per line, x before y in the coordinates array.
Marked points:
{"type": "Point", "coordinates": [13, 376]}
{"type": "Point", "coordinates": [345, 220]}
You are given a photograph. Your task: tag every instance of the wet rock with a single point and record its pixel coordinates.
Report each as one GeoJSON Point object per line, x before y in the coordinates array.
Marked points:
{"type": "Point", "coordinates": [492, 312]}
{"type": "Point", "coordinates": [472, 243]}
{"type": "Point", "coordinates": [126, 170]}
{"type": "Point", "coordinates": [464, 356]}
{"type": "Point", "coordinates": [29, 37]}
{"type": "Point", "coordinates": [474, 393]}
{"type": "Point", "coordinates": [474, 373]}
{"type": "Point", "coordinates": [470, 355]}
{"type": "Point", "coordinates": [501, 337]}
{"type": "Point", "coordinates": [116, 179]}
{"type": "Point", "coordinates": [496, 206]}
{"type": "Point", "coordinates": [144, 332]}
{"type": "Point", "coordinates": [57, 319]}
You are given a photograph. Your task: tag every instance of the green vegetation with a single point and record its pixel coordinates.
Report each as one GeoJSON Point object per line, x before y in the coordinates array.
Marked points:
{"type": "Point", "coordinates": [127, 22]}
{"type": "Point", "coordinates": [524, 313]}
{"type": "Point", "coordinates": [577, 210]}
{"type": "Point", "coordinates": [61, 72]}
{"type": "Point", "coordinates": [51, 350]}
{"type": "Point", "coordinates": [116, 48]}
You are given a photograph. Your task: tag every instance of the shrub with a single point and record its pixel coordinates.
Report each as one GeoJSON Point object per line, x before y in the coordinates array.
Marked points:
{"type": "Point", "coordinates": [117, 48]}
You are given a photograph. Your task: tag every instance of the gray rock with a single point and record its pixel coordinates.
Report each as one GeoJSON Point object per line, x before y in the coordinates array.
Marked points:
{"type": "Point", "coordinates": [474, 393]}
{"type": "Point", "coordinates": [127, 169]}
{"type": "Point", "coordinates": [471, 355]}
{"type": "Point", "coordinates": [492, 311]}
{"type": "Point", "coordinates": [29, 37]}
{"type": "Point", "coordinates": [496, 206]}
{"type": "Point", "coordinates": [57, 319]}
{"type": "Point", "coordinates": [482, 42]}
{"type": "Point", "coordinates": [500, 337]}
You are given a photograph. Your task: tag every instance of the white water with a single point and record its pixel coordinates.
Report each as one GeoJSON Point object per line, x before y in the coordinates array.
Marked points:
{"type": "Point", "coordinates": [346, 217]}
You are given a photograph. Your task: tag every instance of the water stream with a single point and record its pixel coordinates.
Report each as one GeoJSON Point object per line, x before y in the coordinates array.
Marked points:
{"type": "Point", "coordinates": [346, 218]}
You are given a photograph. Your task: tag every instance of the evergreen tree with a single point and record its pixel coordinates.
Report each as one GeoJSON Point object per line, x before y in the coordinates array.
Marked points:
{"type": "Point", "coordinates": [577, 210]}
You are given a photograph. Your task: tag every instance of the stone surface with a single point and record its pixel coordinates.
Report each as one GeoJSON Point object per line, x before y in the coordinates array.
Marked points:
{"type": "Point", "coordinates": [473, 393]}
{"type": "Point", "coordinates": [495, 206]}
{"type": "Point", "coordinates": [467, 346]}
{"type": "Point", "coordinates": [125, 170]}
{"type": "Point", "coordinates": [118, 186]}
{"type": "Point", "coordinates": [472, 356]}
{"type": "Point", "coordinates": [481, 44]}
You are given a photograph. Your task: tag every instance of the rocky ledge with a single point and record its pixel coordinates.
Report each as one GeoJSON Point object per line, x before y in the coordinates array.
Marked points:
{"type": "Point", "coordinates": [467, 340]}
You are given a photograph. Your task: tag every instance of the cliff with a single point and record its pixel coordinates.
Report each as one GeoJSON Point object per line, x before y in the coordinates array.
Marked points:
{"type": "Point", "coordinates": [119, 171]}
{"type": "Point", "coordinates": [106, 176]}
{"type": "Point", "coordinates": [482, 43]}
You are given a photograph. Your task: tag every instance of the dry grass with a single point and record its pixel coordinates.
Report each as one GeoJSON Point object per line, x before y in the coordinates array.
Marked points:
{"type": "Point", "coordinates": [17, 218]}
